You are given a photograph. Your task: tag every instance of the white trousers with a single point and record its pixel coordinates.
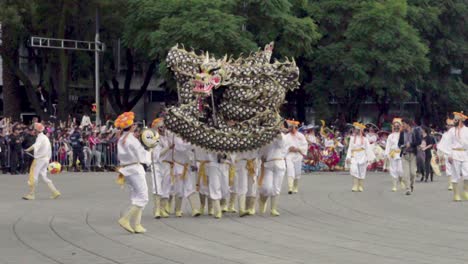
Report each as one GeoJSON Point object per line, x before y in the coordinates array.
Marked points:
{"type": "Point", "coordinates": [293, 168]}
{"type": "Point", "coordinates": [39, 168]}
{"type": "Point", "coordinates": [459, 170]}
{"type": "Point", "coordinates": [358, 170]}
{"type": "Point", "coordinates": [224, 181]}
{"type": "Point", "coordinates": [448, 167]}
{"type": "Point", "coordinates": [184, 186]}
{"type": "Point", "coordinates": [215, 176]}
{"type": "Point", "coordinates": [272, 180]}
{"type": "Point", "coordinates": [166, 181]}
{"type": "Point", "coordinates": [156, 178]}
{"type": "Point", "coordinates": [240, 180]}
{"type": "Point", "coordinates": [138, 189]}
{"type": "Point", "coordinates": [396, 168]}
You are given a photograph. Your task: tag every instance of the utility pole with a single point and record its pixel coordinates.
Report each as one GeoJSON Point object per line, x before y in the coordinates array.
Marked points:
{"type": "Point", "coordinates": [91, 46]}
{"type": "Point", "coordinates": [96, 73]}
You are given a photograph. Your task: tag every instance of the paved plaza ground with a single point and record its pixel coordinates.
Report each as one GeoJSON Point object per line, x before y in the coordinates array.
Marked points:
{"type": "Point", "coordinates": [324, 223]}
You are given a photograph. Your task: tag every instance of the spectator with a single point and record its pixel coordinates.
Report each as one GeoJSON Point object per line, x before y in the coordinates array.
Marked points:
{"type": "Point", "coordinates": [77, 143]}
{"type": "Point", "coordinates": [29, 139]}
{"type": "Point", "coordinates": [43, 97]}
{"type": "Point", "coordinates": [15, 151]}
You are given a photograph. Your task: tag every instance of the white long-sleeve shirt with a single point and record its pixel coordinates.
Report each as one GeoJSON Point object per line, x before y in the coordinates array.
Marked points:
{"type": "Point", "coordinates": [359, 150]}
{"type": "Point", "coordinates": [275, 151]}
{"type": "Point", "coordinates": [296, 140]}
{"type": "Point", "coordinates": [42, 148]}
{"type": "Point", "coordinates": [131, 155]}
{"type": "Point", "coordinates": [455, 145]}
{"type": "Point", "coordinates": [392, 145]}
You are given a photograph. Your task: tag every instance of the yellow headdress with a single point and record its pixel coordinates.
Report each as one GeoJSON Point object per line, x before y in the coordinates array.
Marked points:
{"type": "Point", "coordinates": [158, 122]}
{"type": "Point", "coordinates": [359, 125]}
{"type": "Point", "coordinates": [397, 120]}
{"type": "Point", "coordinates": [124, 120]}
{"type": "Point", "coordinates": [459, 116]}
{"type": "Point", "coordinates": [292, 123]}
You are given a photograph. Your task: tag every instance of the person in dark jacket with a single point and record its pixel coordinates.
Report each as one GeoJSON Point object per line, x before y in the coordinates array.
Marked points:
{"type": "Point", "coordinates": [408, 142]}
{"type": "Point", "coordinates": [15, 149]}
{"type": "Point", "coordinates": [77, 144]}
{"type": "Point", "coordinates": [29, 139]}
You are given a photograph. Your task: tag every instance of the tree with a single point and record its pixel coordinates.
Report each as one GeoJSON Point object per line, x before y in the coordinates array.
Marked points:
{"type": "Point", "coordinates": [385, 51]}
{"type": "Point", "coordinates": [443, 26]}
{"type": "Point", "coordinates": [13, 18]}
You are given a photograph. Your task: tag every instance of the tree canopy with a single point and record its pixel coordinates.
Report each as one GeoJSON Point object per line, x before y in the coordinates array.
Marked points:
{"type": "Point", "coordinates": [349, 52]}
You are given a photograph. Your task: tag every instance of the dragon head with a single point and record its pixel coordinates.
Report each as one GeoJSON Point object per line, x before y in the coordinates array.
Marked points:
{"type": "Point", "coordinates": [211, 76]}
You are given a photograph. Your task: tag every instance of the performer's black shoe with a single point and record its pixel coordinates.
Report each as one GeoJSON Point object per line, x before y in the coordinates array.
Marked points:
{"type": "Point", "coordinates": [290, 192]}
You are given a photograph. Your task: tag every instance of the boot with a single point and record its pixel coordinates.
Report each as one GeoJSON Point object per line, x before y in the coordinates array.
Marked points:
{"type": "Point", "coordinates": [355, 185]}
{"type": "Point", "coordinates": [223, 205]}
{"type": "Point", "coordinates": [202, 203]}
{"type": "Point", "coordinates": [218, 213]}
{"type": "Point", "coordinates": [290, 185]}
{"type": "Point", "coordinates": [178, 206]}
{"type": "Point", "coordinates": [296, 186]}
{"type": "Point", "coordinates": [262, 203]}
{"type": "Point", "coordinates": [251, 205]}
{"type": "Point", "coordinates": [163, 205]}
{"type": "Point", "coordinates": [242, 203]}
{"type": "Point", "coordinates": [465, 190]}
{"type": "Point", "coordinates": [168, 205]}
{"type": "Point", "coordinates": [361, 185]}
{"type": "Point", "coordinates": [210, 207]}
{"type": "Point", "coordinates": [450, 187]}
{"type": "Point", "coordinates": [402, 183]}
{"type": "Point", "coordinates": [55, 192]}
{"type": "Point", "coordinates": [394, 188]}
{"type": "Point", "coordinates": [193, 204]}
{"type": "Point", "coordinates": [274, 205]}
{"type": "Point", "coordinates": [139, 229]}
{"type": "Point", "coordinates": [124, 221]}
{"type": "Point", "coordinates": [30, 195]}
{"type": "Point", "coordinates": [456, 195]}
{"type": "Point", "coordinates": [232, 202]}
{"type": "Point", "coordinates": [157, 206]}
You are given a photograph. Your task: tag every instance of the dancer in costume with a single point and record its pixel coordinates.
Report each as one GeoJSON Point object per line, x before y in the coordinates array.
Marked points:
{"type": "Point", "coordinates": [166, 143]}
{"type": "Point", "coordinates": [272, 173]}
{"type": "Point", "coordinates": [358, 156]}
{"type": "Point", "coordinates": [456, 147]}
{"type": "Point", "coordinates": [132, 155]}
{"type": "Point", "coordinates": [156, 175]}
{"type": "Point", "coordinates": [296, 151]}
{"type": "Point", "coordinates": [443, 142]}
{"type": "Point", "coordinates": [246, 174]}
{"type": "Point", "coordinates": [42, 154]}
{"type": "Point", "coordinates": [205, 163]}
{"type": "Point", "coordinates": [392, 153]}
{"type": "Point", "coordinates": [226, 165]}
{"type": "Point", "coordinates": [184, 185]}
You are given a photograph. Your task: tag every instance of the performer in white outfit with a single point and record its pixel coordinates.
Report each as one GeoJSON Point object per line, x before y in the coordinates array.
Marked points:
{"type": "Point", "coordinates": [359, 154]}
{"type": "Point", "coordinates": [245, 177]}
{"type": "Point", "coordinates": [155, 170]}
{"type": "Point", "coordinates": [132, 155]}
{"type": "Point", "coordinates": [297, 149]}
{"type": "Point", "coordinates": [205, 163]}
{"type": "Point", "coordinates": [166, 142]}
{"type": "Point", "coordinates": [456, 147]}
{"type": "Point", "coordinates": [443, 142]}
{"type": "Point", "coordinates": [272, 173]}
{"type": "Point", "coordinates": [392, 153]}
{"type": "Point", "coordinates": [42, 155]}
{"type": "Point", "coordinates": [226, 165]}
{"type": "Point", "coordinates": [184, 185]}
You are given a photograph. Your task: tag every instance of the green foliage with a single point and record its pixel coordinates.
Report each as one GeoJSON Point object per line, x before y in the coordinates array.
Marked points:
{"type": "Point", "coordinates": [347, 51]}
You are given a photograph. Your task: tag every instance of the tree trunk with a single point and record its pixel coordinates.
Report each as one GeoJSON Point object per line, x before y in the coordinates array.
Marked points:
{"type": "Point", "coordinates": [11, 93]}
{"type": "Point", "coordinates": [300, 104]}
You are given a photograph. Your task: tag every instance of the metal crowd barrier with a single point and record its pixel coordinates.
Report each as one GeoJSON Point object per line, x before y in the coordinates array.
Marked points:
{"type": "Point", "coordinates": [102, 157]}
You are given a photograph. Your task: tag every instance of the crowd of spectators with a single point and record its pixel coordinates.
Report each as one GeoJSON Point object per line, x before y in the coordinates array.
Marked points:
{"type": "Point", "coordinates": [78, 146]}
